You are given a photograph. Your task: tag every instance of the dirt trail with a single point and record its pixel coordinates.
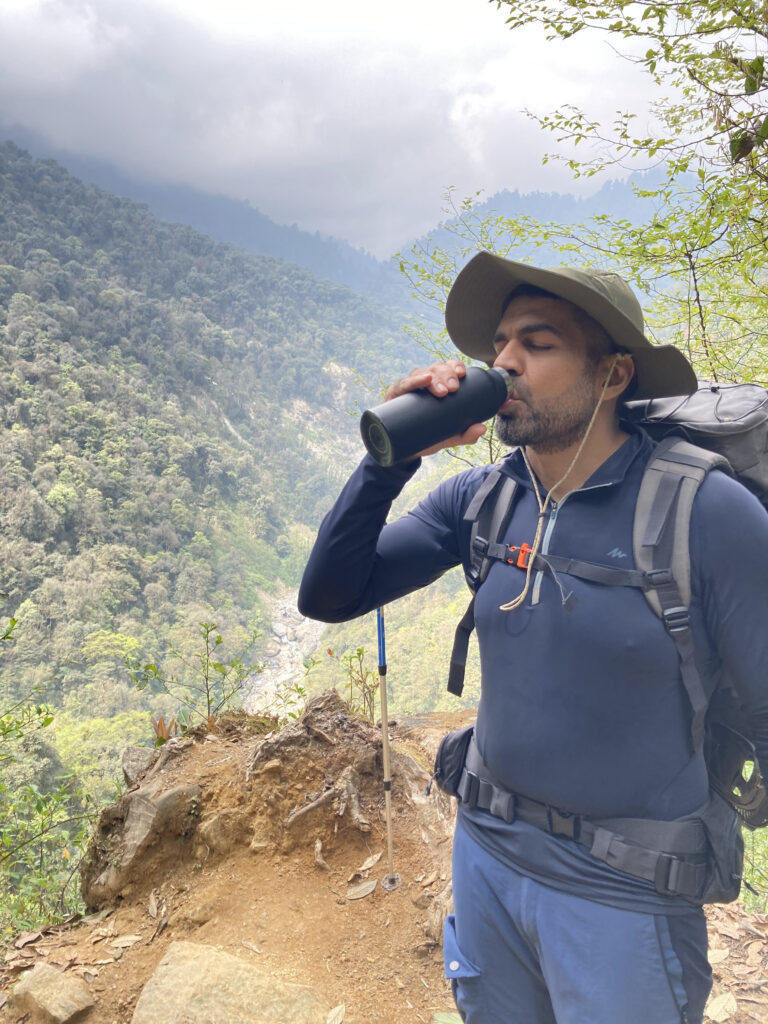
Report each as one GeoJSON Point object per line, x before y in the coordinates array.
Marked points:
{"type": "Point", "coordinates": [274, 870]}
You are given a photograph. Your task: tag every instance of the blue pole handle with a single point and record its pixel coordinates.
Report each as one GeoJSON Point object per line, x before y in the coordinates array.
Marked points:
{"type": "Point", "coordinates": [382, 642]}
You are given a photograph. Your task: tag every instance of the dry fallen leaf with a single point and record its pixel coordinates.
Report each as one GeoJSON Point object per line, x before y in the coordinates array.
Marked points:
{"type": "Point", "coordinates": [336, 1015]}
{"type": "Point", "coordinates": [26, 937]}
{"type": "Point", "coordinates": [755, 951]}
{"type": "Point", "coordinates": [124, 941]}
{"type": "Point", "coordinates": [373, 859]}
{"type": "Point", "coordinates": [66, 962]}
{"type": "Point", "coordinates": [357, 892]}
{"type": "Point", "coordinates": [716, 956]}
{"type": "Point", "coordinates": [722, 1007]}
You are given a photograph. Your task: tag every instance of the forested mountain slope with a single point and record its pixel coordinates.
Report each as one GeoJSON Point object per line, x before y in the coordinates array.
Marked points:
{"type": "Point", "coordinates": [174, 423]}
{"type": "Point", "coordinates": [237, 222]}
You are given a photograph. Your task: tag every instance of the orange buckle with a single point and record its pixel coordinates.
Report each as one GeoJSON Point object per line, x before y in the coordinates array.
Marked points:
{"type": "Point", "coordinates": [524, 553]}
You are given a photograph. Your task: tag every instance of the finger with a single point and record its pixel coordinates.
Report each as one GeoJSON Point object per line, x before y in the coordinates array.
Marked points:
{"type": "Point", "coordinates": [446, 377]}
{"type": "Point", "coordinates": [418, 378]}
{"type": "Point", "coordinates": [439, 378]}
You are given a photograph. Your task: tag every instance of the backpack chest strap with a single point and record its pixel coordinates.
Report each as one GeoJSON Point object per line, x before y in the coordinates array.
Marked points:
{"type": "Point", "coordinates": [593, 571]}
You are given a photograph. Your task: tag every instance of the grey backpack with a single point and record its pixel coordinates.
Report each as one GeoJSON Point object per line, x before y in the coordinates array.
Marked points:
{"type": "Point", "coordinates": [721, 426]}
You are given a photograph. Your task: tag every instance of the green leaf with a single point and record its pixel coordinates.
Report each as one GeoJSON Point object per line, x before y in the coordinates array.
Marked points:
{"type": "Point", "coordinates": [762, 133]}
{"type": "Point", "coordinates": [754, 79]}
{"type": "Point", "coordinates": [741, 144]}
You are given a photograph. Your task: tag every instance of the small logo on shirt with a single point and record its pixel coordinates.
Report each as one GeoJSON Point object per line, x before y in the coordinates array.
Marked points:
{"type": "Point", "coordinates": [617, 553]}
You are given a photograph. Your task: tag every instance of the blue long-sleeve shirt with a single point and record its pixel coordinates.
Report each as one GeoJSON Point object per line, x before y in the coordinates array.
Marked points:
{"type": "Point", "coordinates": [582, 709]}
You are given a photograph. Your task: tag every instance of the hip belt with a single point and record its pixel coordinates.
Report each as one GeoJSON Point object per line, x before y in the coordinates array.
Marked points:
{"type": "Point", "coordinates": [670, 854]}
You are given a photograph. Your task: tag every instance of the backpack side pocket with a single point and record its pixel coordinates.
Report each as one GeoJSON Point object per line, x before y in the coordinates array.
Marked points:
{"type": "Point", "coordinates": [449, 762]}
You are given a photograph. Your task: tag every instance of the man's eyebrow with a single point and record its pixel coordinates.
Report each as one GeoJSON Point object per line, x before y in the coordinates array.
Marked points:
{"type": "Point", "coordinates": [534, 328]}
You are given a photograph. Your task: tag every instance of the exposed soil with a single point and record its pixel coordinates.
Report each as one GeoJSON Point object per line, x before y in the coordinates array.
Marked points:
{"type": "Point", "coordinates": [250, 880]}
{"type": "Point", "coordinates": [259, 893]}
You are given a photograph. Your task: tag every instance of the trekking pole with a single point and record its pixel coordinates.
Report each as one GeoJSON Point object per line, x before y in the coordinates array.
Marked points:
{"type": "Point", "coordinates": [391, 880]}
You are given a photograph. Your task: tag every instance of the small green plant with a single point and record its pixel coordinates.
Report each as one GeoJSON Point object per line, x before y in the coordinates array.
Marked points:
{"type": "Point", "coordinates": [361, 684]}
{"type": "Point", "coordinates": [207, 685]}
{"type": "Point", "coordinates": [43, 831]}
{"type": "Point", "coordinates": [43, 836]}
{"type": "Point", "coordinates": [20, 719]}
{"type": "Point", "coordinates": [754, 894]}
{"type": "Point", "coordinates": [288, 702]}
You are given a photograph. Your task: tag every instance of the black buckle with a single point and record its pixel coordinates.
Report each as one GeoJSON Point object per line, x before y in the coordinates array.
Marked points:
{"type": "Point", "coordinates": [562, 823]}
{"type": "Point", "coordinates": [658, 577]}
{"type": "Point", "coordinates": [689, 879]}
{"type": "Point", "coordinates": [676, 619]}
{"type": "Point", "coordinates": [663, 873]}
{"type": "Point", "coordinates": [503, 804]}
{"type": "Point", "coordinates": [470, 786]}
{"type": "Point", "coordinates": [480, 545]}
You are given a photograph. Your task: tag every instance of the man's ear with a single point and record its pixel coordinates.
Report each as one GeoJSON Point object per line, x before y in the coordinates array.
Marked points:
{"type": "Point", "coordinates": [619, 369]}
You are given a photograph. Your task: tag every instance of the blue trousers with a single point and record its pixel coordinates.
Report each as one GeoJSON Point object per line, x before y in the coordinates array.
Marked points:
{"type": "Point", "coordinates": [519, 952]}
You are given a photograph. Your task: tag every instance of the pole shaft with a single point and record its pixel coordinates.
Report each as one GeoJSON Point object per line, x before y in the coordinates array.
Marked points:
{"type": "Point", "coordinates": [385, 736]}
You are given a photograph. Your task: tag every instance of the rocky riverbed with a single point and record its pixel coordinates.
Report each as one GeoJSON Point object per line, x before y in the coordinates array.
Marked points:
{"type": "Point", "coordinates": [292, 639]}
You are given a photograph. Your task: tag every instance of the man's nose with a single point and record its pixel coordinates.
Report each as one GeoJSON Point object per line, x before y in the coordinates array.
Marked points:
{"type": "Point", "coordinates": [508, 359]}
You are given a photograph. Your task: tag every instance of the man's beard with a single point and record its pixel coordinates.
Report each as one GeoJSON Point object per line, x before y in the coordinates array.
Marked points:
{"type": "Point", "coordinates": [554, 424]}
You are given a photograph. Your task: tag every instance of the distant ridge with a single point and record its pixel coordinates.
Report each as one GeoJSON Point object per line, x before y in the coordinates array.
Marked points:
{"type": "Point", "coordinates": [236, 222]}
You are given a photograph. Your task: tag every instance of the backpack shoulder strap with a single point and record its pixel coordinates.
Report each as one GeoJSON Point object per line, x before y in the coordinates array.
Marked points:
{"type": "Point", "coordinates": [488, 514]}
{"type": "Point", "coordinates": [661, 535]}
{"type": "Point", "coordinates": [663, 512]}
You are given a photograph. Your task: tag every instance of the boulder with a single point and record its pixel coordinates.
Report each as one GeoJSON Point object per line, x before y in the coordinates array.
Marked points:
{"type": "Point", "coordinates": [136, 762]}
{"type": "Point", "coordinates": [151, 816]}
{"type": "Point", "coordinates": [50, 996]}
{"type": "Point", "coordinates": [198, 984]}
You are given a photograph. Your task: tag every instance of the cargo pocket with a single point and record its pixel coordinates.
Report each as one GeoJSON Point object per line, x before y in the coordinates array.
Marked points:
{"type": "Point", "coordinates": [458, 968]}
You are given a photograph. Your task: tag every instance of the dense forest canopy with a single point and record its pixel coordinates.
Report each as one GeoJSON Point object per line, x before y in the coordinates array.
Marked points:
{"type": "Point", "coordinates": [175, 422]}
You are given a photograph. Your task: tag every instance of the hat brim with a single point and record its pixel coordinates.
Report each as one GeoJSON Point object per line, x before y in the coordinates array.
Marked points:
{"type": "Point", "coordinates": [474, 308]}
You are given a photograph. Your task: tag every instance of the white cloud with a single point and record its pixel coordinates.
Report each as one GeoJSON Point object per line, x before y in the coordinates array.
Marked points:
{"type": "Point", "coordinates": [342, 117]}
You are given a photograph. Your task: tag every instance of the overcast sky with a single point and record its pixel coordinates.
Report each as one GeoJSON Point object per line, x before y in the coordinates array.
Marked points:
{"type": "Point", "coordinates": [342, 116]}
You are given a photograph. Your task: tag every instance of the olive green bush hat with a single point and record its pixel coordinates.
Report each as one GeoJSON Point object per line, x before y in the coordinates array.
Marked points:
{"type": "Point", "coordinates": [475, 302]}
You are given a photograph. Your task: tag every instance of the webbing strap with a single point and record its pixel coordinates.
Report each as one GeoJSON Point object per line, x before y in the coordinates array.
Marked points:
{"type": "Point", "coordinates": [481, 494]}
{"type": "Point", "coordinates": [596, 573]}
{"type": "Point", "coordinates": [459, 653]}
{"type": "Point", "coordinates": [663, 502]}
{"type": "Point", "coordinates": [671, 854]}
{"type": "Point", "coordinates": [694, 687]}
{"type": "Point", "coordinates": [592, 571]}
{"type": "Point", "coordinates": [488, 512]}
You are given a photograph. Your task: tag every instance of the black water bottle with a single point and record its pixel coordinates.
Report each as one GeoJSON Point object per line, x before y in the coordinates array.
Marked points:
{"type": "Point", "coordinates": [396, 430]}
